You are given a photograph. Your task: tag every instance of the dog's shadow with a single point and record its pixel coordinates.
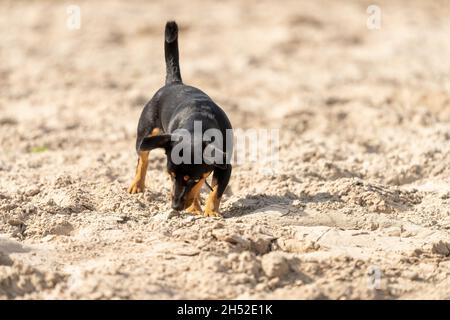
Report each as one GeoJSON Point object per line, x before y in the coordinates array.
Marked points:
{"type": "Point", "coordinates": [288, 203]}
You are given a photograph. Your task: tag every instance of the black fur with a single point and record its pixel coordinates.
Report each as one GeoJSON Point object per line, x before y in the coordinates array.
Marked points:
{"type": "Point", "coordinates": [177, 106]}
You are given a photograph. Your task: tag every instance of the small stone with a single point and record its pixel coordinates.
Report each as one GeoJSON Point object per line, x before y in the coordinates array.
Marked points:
{"type": "Point", "coordinates": [233, 238]}
{"type": "Point", "coordinates": [15, 222]}
{"type": "Point", "coordinates": [260, 287]}
{"type": "Point", "coordinates": [445, 196]}
{"type": "Point", "coordinates": [393, 231]}
{"type": "Point", "coordinates": [172, 214]}
{"type": "Point", "coordinates": [416, 252]}
{"type": "Point", "coordinates": [5, 260]}
{"type": "Point", "coordinates": [273, 282]}
{"type": "Point", "coordinates": [48, 238]}
{"type": "Point", "coordinates": [261, 244]}
{"type": "Point", "coordinates": [218, 225]}
{"type": "Point", "coordinates": [4, 196]}
{"type": "Point", "coordinates": [185, 251]}
{"type": "Point", "coordinates": [275, 265]}
{"type": "Point", "coordinates": [189, 218]}
{"type": "Point", "coordinates": [32, 191]}
{"type": "Point", "coordinates": [29, 208]}
{"type": "Point", "coordinates": [63, 228]}
{"type": "Point", "coordinates": [122, 219]}
{"type": "Point", "coordinates": [412, 275]}
{"type": "Point", "coordinates": [441, 247]}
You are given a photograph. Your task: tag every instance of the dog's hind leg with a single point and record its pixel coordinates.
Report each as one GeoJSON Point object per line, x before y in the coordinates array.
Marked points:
{"type": "Point", "coordinates": [138, 184]}
{"type": "Point", "coordinates": [147, 127]}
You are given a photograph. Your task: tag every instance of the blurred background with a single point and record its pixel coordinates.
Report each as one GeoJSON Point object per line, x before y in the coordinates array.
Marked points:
{"type": "Point", "coordinates": [261, 60]}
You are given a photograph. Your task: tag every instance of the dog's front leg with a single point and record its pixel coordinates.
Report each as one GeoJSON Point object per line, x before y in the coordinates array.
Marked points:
{"type": "Point", "coordinates": [194, 199]}
{"type": "Point", "coordinates": [220, 180]}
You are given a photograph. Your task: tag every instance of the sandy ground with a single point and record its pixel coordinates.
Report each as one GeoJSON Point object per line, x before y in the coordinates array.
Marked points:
{"type": "Point", "coordinates": [360, 205]}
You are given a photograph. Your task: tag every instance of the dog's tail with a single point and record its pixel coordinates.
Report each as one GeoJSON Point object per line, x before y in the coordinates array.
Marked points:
{"type": "Point", "coordinates": [171, 52]}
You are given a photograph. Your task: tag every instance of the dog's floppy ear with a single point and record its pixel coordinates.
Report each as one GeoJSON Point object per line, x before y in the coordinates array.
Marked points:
{"type": "Point", "coordinates": [154, 142]}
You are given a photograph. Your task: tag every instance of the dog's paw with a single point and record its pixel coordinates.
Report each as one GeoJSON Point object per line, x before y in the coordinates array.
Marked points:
{"type": "Point", "coordinates": [195, 208]}
{"type": "Point", "coordinates": [136, 187]}
{"type": "Point", "coordinates": [212, 213]}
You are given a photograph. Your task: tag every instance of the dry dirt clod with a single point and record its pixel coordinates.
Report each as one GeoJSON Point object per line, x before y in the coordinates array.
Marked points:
{"type": "Point", "coordinates": [441, 248]}
{"type": "Point", "coordinates": [5, 260]}
{"type": "Point", "coordinates": [171, 214]}
{"type": "Point", "coordinates": [275, 264]}
{"type": "Point", "coordinates": [261, 244]}
{"type": "Point", "coordinates": [15, 222]}
{"type": "Point", "coordinates": [32, 191]}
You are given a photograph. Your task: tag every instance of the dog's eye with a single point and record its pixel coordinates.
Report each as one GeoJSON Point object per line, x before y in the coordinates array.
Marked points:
{"type": "Point", "coordinates": [186, 178]}
{"type": "Point", "coordinates": [196, 180]}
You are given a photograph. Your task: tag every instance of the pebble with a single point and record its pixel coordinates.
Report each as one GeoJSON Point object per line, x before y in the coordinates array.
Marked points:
{"type": "Point", "coordinates": [48, 238]}
{"type": "Point", "coordinates": [218, 225]}
{"type": "Point", "coordinates": [5, 260]}
{"type": "Point", "coordinates": [275, 265]}
{"type": "Point", "coordinates": [15, 222]}
{"type": "Point", "coordinates": [171, 214]}
{"type": "Point", "coordinates": [185, 251]}
{"type": "Point", "coordinates": [441, 247]}
{"type": "Point", "coordinates": [393, 231]}
{"type": "Point", "coordinates": [261, 244]}
{"type": "Point", "coordinates": [189, 218]}
{"type": "Point", "coordinates": [4, 196]}
{"type": "Point", "coordinates": [233, 238]}
{"type": "Point", "coordinates": [32, 191]}
{"type": "Point", "coordinates": [29, 208]}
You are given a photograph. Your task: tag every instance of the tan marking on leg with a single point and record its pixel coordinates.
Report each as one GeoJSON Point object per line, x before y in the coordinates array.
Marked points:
{"type": "Point", "coordinates": [138, 184]}
{"type": "Point", "coordinates": [155, 132]}
{"type": "Point", "coordinates": [193, 199]}
{"type": "Point", "coordinates": [212, 204]}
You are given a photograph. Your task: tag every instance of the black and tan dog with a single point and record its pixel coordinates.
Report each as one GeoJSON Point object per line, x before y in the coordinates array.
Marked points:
{"type": "Point", "coordinates": [177, 106]}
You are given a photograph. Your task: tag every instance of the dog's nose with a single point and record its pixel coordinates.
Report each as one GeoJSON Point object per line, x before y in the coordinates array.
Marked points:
{"type": "Point", "coordinates": [177, 206]}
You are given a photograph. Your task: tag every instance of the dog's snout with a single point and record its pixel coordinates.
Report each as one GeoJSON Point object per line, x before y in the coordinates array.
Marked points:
{"type": "Point", "coordinates": [178, 201]}
{"type": "Point", "coordinates": [177, 206]}
{"type": "Point", "coordinates": [179, 196]}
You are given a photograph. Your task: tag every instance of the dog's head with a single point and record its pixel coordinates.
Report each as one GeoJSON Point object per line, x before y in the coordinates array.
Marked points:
{"type": "Point", "coordinates": [186, 179]}
{"type": "Point", "coordinates": [188, 164]}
